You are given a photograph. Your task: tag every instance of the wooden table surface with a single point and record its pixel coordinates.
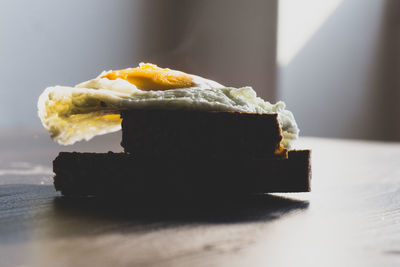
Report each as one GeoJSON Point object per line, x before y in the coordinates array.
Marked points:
{"type": "Point", "coordinates": [351, 218]}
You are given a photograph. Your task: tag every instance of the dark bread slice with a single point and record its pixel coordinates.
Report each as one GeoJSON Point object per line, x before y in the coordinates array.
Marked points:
{"type": "Point", "coordinates": [122, 174]}
{"type": "Point", "coordinates": [201, 134]}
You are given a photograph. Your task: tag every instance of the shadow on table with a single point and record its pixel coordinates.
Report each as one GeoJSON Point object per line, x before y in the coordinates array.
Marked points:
{"type": "Point", "coordinates": [36, 208]}
{"type": "Point", "coordinates": [239, 209]}
{"type": "Point", "coordinates": [80, 215]}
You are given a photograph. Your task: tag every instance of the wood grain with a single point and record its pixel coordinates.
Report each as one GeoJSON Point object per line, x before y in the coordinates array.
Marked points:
{"type": "Point", "coordinates": [351, 218]}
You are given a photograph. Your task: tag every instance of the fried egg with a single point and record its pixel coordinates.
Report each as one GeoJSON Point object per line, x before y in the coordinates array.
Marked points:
{"type": "Point", "coordinates": [91, 108]}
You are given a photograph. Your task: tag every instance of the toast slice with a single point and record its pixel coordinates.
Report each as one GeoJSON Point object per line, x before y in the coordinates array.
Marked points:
{"type": "Point", "coordinates": [201, 134]}
{"type": "Point", "coordinates": [123, 174]}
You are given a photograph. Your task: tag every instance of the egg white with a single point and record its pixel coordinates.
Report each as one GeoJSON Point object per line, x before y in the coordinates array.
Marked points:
{"type": "Point", "coordinates": [71, 114]}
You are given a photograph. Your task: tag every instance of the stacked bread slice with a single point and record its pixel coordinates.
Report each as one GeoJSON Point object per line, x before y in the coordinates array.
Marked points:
{"type": "Point", "coordinates": [188, 153]}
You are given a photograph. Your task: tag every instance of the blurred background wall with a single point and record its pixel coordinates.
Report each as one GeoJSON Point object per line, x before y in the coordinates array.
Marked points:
{"type": "Point", "coordinates": [334, 62]}
{"type": "Point", "coordinates": [338, 66]}
{"type": "Point", "coordinates": [233, 42]}
{"type": "Point", "coordinates": [47, 42]}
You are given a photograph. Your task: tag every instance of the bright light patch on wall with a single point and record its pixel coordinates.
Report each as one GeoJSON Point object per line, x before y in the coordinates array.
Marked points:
{"type": "Point", "coordinates": [297, 23]}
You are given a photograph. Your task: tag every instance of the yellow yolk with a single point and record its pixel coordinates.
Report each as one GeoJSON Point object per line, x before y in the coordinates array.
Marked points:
{"type": "Point", "coordinates": [150, 77]}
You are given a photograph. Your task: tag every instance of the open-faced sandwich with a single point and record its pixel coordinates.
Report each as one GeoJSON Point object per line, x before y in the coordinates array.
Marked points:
{"type": "Point", "coordinates": [182, 135]}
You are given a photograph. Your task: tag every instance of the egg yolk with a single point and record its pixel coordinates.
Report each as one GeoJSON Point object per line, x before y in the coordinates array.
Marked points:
{"type": "Point", "coordinates": [150, 77]}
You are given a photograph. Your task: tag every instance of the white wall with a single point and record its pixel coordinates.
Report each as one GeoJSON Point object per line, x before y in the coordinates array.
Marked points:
{"type": "Point", "coordinates": [343, 82]}
{"type": "Point", "coordinates": [337, 83]}
{"type": "Point", "coordinates": [45, 42]}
